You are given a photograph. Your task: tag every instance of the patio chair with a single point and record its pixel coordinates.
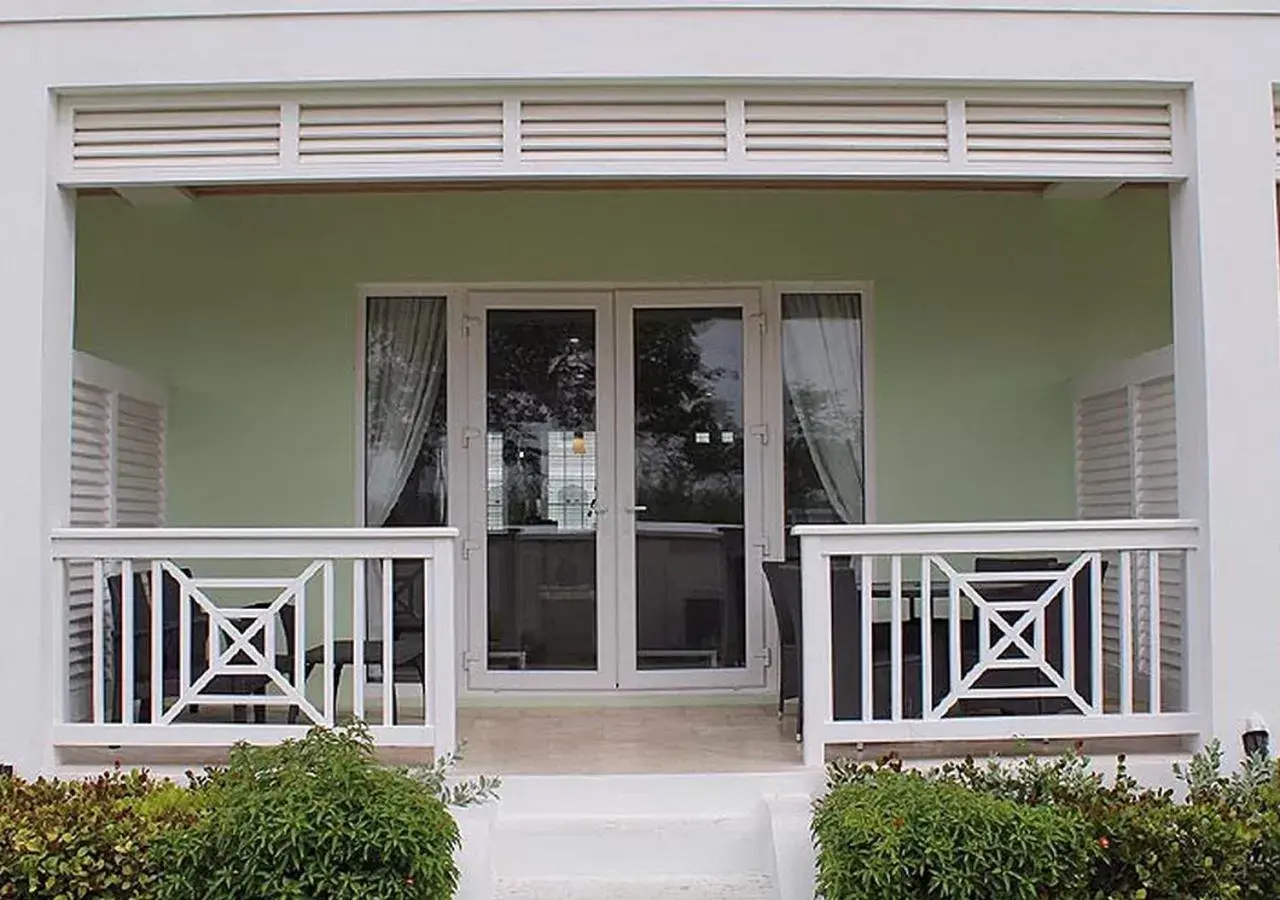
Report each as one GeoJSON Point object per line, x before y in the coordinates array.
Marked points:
{"type": "Point", "coordinates": [408, 647]}
{"type": "Point", "coordinates": [170, 639]}
{"type": "Point", "coordinates": [785, 590]}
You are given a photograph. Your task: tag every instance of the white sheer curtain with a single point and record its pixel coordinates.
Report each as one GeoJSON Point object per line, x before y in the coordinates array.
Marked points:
{"type": "Point", "coordinates": [405, 359]}
{"type": "Point", "coordinates": [822, 370]}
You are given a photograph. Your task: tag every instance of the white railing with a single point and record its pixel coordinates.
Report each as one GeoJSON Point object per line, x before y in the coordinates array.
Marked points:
{"type": "Point", "coordinates": [271, 622]}
{"type": "Point", "coordinates": [994, 631]}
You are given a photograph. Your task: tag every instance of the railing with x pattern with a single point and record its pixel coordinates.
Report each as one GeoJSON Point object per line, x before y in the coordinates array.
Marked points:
{"type": "Point", "coordinates": [172, 637]}
{"type": "Point", "coordinates": [994, 631]}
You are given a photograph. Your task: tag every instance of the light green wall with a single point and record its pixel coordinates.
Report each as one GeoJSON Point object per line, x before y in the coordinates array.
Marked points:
{"type": "Point", "coordinates": [985, 305]}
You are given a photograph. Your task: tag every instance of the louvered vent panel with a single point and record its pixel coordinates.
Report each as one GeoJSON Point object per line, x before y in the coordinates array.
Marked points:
{"type": "Point", "coordinates": [1008, 131]}
{"type": "Point", "coordinates": [851, 129]}
{"type": "Point", "coordinates": [444, 132]}
{"type": "Point", "coordinates": [90, 456]}
{"type": "Point", "coordinates": [177, 136]}
{"type": "Point", "coordinates": [1155, 450]}
{"type": "Point", "coordinates": [1156, 496]}
{"type": "Point", "coordinates": [623, 131]}
{"type": "Point", "coordinates": [1104, 460]}
{"type": "Point", "coordinates": [1275, 114]}
{"type": "Point", "coordinates": [90, 508]}
{"type": "Point", "coordinates": [139, 464]}
{"type": "Point", "coordinates": [1104, 490]}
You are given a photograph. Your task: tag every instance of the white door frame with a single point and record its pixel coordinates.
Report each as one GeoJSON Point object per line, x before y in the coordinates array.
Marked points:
{"type": "Point", "coordinates": [750, 300]}
{"type": "Point", "coordinates": [479, 676]}
{"type": "Point", "coordinates": [462, 495]}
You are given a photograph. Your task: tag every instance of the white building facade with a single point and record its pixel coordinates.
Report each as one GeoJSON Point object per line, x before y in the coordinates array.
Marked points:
{"type": "Point", "coordinates": [1070, 102]}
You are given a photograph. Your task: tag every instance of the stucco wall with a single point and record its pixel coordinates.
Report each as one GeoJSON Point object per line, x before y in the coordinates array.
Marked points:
{"type": "Point", "coordinates": [985, 305]}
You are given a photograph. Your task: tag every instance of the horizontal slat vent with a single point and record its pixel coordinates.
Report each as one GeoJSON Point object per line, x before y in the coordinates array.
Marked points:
{"type": "Point", "coordinates": [1006, 131]}
{"type": "Point", "coordinates": [91, 507]}
{"type": "Point", "coordinates": [1275, 118]}
{"type": "Point", "coordinates": [852, 129]}
{"type": "Point", "coordinates": [1104, 458]}
{"type": "Point", "coordinates": [139, 464]}
{"type": "Point", "coordinates": [400, 133]}
{"type": "Point", "coordinates": [1156, 449]}
{"type": "Point", "coordinates": [90, 456]}
{"type": "Point", "coordinates": [177, 136]}
{"type": "Point", "coordinates": [622, 131]}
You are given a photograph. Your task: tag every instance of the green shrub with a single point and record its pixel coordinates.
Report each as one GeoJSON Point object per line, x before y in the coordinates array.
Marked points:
{"type": "Point", "coordinates": [1221, 843]}
{"type": "Point", "coordinates": [892, 835]}
{"type": "Point", "coordinates": [1149, 846]}
{"type": "Point", "coordinates": [1250, 799]}
{"type": "Point", "coordinates": [314, 819]}
{"type": "Point", "coordinates": [67, 840]}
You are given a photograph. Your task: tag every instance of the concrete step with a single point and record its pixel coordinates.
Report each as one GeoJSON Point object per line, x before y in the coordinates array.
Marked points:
{"type": "Point", "coordinates": [614, 794]}
{"type": "Point", "coordinates": [648, 845]}
{"type": "Point", "coordinates": [742, 887]}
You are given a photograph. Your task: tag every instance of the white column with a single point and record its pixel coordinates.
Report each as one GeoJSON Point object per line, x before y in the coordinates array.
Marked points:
{"type": "Point", "coordinates": [36, 271]}
{"type": "Point", "coordinates": [1227, 345]}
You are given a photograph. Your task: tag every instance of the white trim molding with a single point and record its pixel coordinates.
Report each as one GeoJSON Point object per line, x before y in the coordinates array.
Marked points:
{"type": "Point", "coordinates": [31, 11]}
{"type": "Point", "coordinates": [1149, 366]}
{"type": "Point", "coordinates": [798, 131]}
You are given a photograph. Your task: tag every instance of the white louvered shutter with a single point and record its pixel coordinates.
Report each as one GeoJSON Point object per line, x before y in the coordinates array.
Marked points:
{"type": "Point", "coordinates": [91, 414]}
{"type": "Point", "coordinates": [1156, 497]}
{"type": "Point", "coordinates": [1104, 490]}
{"type": "Point", "coordinates": [138, 460]}
{"type": "Point", "coordinates": [117, 480]}
{"type": "Point", "coordinates": [1126, 466]}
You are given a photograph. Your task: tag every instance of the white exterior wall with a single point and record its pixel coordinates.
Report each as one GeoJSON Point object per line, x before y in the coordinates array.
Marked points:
{"type": "Point", "coordinates": [1225, 236]}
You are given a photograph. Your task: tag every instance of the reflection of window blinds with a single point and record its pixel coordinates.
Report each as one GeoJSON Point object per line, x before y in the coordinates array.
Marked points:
{"type": "Point", "coordinates": [496, 508]}
{"type": "Point", "coordinates": [571, 480]}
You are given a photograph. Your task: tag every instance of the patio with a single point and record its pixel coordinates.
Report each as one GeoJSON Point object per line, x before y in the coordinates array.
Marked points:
{"type": "Point", "coordinates": [979, 392]}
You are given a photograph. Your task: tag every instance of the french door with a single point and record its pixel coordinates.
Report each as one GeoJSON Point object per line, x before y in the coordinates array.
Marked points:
{"type": "Point", "coordinates": [614, 466]}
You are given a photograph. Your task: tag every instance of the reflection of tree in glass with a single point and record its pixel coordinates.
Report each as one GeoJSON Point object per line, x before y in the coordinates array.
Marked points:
{"type": "Point", "coordinates": [541, 376]}
{"type": "Point", "coordinates": [807, 499]}
{"type": "Point", "coordinates": [677, 477]}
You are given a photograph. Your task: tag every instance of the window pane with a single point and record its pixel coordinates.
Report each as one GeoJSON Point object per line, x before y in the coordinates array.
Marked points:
{"type": "Point", "coordinates": [540, 402]}
{"type": "Point", "coordinates": [823, 408]}
{"type": "Point", "coordinates": [689, 484]}
{"type": "Point", "coordinates": [406, 471]}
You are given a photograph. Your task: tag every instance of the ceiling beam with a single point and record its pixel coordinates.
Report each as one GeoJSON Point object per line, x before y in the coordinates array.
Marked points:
{"type": "Point", "coordinates": [1086, 189]}
{"type": "Point", "coordinates": [155, 196]}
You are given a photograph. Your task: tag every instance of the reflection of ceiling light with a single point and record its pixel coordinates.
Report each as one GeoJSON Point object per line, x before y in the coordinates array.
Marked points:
{"type": "Point", "coordinates": [579, 443]}
{"type": "Point", "coordinates": [575, 341]}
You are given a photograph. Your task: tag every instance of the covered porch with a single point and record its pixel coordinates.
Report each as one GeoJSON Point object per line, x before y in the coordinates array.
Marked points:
{"type": "Point", "coordinates": [906, 453]}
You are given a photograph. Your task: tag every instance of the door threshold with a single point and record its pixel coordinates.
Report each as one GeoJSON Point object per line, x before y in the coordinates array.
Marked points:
{"type": "Point", "coordinates": [639, 698]}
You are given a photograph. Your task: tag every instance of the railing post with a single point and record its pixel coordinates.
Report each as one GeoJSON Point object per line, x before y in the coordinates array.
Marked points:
{"type": "Point", "coordinates": [442, 705]}
{"type": "Point", "coordinates": [815, 655]}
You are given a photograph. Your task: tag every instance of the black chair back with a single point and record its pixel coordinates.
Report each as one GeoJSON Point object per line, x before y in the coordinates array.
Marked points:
{"type": "Point", "coordinates": [784, 589]}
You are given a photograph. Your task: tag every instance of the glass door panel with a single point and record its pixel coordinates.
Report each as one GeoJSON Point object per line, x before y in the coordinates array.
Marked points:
{"type": "Point", "coordinates": [537, 465]}
{"type": "Point", "coordinates": [687, 475]}
{"type": "Point", "coordinates": [689, 480]}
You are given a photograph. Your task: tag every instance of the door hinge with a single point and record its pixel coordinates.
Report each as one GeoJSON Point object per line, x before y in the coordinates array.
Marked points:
{"type": "Point", "coordinates": [761, 322]}
{"type": "Point", "coordinates": [766, 654]}
{"type": "Point", "coordinates": [469, 549]}
{"type": "Point", "coordinates": [470, 434]}
{"type": "Point", "coordinates": [468, 321]}
{"type": "Point", "coordinates": [470, 661]}
{"type": "Point", "coordinates": [761, 432]}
